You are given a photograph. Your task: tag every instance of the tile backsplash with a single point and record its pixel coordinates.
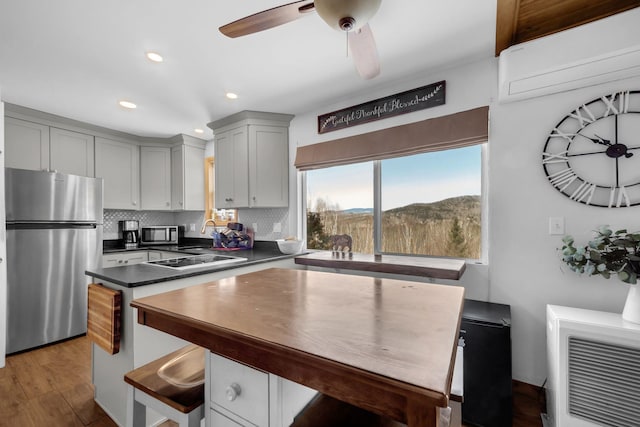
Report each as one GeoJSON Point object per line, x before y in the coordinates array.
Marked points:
{"type": "Point", "coordinates": [264, 219]}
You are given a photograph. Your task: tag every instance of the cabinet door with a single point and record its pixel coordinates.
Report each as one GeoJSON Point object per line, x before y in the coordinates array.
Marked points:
{"type": "Point", "coordinates": [177, 179]}
{"type": "Point", "coordinates": [118, 164]}
{"type": "Point", "coordinates": [71, 152]}
{"type": "Point", "coordinates": [193, 161]}
{"type": "Point", "coordinates": [232, 169]}
{"type": "Point", "coordinates": [187, 173]}
{"type": "Point", "coordinates": [268, 166]}
{"type": "Point", "coordinates": [26, 144]}
{"type": "Point", "coordinates": [121, 259]}
{"type": "Point", "coordinates": [155, 178]}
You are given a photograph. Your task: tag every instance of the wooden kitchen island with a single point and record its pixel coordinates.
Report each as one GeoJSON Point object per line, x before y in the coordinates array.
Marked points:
{"type": "Point", "coordinates": [387, 346]}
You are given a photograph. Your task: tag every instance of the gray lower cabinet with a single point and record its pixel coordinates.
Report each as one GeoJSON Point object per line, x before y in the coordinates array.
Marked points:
{"type": "Point", "coordinates": [119, 259]}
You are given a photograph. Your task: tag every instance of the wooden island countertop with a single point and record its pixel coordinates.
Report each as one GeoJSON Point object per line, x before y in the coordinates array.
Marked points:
{"type": "Point", "coordinates": [387, 346]}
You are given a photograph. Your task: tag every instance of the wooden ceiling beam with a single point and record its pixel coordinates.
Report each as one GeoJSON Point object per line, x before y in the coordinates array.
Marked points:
{"type": "Point", "coordinates": [518, 21]}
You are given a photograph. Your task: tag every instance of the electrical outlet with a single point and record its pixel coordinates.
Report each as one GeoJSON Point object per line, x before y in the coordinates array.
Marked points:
{"type": "Point", "coordinates": [556, 225]}
{"type": "Point", "coordinates": [192, 227]}
{"type": "Point", "coordinates": [277, 227]}
{"type": "Point", "coordinates": [254, 226]}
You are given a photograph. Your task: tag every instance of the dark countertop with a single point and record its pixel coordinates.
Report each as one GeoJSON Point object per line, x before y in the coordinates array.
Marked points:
{"type": "Point", "coordinates": [142, 274]}
{"type": "Point", "coordinates": [439, 268]}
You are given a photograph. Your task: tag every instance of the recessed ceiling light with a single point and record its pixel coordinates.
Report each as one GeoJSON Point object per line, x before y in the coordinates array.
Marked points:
{"type": "Point", "coordinates": [155, 57]}
{"type": "Point", "coordinates": [232, 95]}
{"type": "Point", "coordinates": [127, 104]}
{"type": "Point", "coordinates": [198, 130]}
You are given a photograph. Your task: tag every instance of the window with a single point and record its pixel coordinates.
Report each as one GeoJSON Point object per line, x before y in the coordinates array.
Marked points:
{"type": "Point", "coordinates": [428, 204]}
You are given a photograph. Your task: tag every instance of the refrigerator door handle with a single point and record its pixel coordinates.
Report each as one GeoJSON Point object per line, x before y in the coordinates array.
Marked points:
{"type": "Point", "coordinates": [50, 225]}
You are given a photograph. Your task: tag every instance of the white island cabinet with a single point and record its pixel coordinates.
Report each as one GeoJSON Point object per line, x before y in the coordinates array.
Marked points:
{"type": "Point", "coordinates": [139, 344]}
{"type": "Point", "coordinates": [252, 160]}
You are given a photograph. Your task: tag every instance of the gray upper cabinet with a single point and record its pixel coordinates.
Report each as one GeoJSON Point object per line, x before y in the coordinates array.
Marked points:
{"type": "Point", "coordinates": [252, 160]}
{"type": "Point", "coordinates": [118, 163]}
{"type": "Point", "coordinates": [35, 146]}
{"type": "Point", "coordinates": [187, 178]}
{"type": "Point", "coordinates": [139, 173]}
{"type": "Point", "coordinates": [71, 152]}
{"type": "Point", "coordinates": [231, 153]}
{"type": "Point", "coordinates": [155, 178]}
{"type": "Point", "coordinates": [268, 166]}
{"type": "Point", "coordinates": [26, 144]}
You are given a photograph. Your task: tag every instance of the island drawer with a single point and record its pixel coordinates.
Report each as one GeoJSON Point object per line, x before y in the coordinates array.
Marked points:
{"type": "Point", "coordinates": [219, 420]}
{"type": "Point", "coordinates": [240, 389]}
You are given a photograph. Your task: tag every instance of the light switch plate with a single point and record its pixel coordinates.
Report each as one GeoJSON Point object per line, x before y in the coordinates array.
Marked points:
{"type": "Point", "coordinates": [556, 225]}
{"type": "Point", "coordinates": [277, 227]}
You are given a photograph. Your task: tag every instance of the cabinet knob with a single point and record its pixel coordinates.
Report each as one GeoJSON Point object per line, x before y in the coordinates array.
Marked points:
{"type": "Point", "coordinates": [168, 204]}
{"type": "Point", "coordinates": [119, 261]}
{"type": "Point", "coordinates": [233, 391]}
{"type": "Point", "coordinates": [134, 203]}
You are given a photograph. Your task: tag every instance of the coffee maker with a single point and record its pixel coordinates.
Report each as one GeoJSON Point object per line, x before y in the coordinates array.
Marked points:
{"type": "Point", "coordinates": [129, 233]}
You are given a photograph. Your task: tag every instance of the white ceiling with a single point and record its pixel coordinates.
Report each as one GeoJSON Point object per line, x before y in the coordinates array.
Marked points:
{"type": "Point", "coordinates": [78, 58]}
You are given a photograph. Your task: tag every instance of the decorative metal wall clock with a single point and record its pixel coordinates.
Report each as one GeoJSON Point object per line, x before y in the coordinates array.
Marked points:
{"type": "Point", "coordinates": [593, 155]}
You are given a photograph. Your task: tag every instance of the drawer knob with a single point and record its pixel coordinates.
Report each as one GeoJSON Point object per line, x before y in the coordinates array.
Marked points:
{"type": "Point", "coordinates": [233, 391]}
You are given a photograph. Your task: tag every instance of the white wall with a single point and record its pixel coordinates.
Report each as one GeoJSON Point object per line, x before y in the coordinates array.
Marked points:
{"type": "Point", "coordinates": [468, 87]}
{"type": "Point", "coordinates": [3, 248]}
{"type": "Point", "coordinates": [524, 270]}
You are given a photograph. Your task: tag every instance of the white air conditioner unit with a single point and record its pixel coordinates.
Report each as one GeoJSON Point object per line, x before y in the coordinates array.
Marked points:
{"type": "Point", "coordinates": [593, 53]}
{"type": "Point", "coordinates": [593, 363]}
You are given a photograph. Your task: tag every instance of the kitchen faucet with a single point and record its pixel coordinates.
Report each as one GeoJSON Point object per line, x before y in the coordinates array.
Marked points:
{"type": "Point", "coordinates": [204, 225]}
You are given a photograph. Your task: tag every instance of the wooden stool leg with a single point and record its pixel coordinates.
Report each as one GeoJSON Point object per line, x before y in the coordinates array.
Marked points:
{"type": "Point", "coordinates": [136, 411]}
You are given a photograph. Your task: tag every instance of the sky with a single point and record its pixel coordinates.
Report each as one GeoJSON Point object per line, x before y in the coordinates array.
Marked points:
{"type": "Point", "coordinates": [422, 178]}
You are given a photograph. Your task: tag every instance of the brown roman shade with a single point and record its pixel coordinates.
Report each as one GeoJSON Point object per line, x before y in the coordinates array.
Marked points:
{"type": "Point", "coordinates": [441, 133]}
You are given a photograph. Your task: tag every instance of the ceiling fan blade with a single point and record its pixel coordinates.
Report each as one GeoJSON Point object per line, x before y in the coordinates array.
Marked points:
{"type": "Point", "coordinates": [364, 52]}
{"type": "Point", "coordinates": [267, 19]}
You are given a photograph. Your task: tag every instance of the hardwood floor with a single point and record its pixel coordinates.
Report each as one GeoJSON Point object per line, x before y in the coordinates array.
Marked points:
{"type": "Point", "coordinates": [51, 387]}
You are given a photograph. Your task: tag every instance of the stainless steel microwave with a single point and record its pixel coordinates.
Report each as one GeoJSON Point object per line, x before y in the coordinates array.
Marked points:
{"type": "Point", "coordinates": [159, 235]}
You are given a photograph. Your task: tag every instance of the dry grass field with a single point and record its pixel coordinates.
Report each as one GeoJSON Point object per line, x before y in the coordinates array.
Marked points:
{"type": "Point", "coordinates": [449, 227]}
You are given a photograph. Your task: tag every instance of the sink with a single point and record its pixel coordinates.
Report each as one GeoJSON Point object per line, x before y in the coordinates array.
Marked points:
{"type": "Point", "coordinates": [197, 261]}
{"type": "Point", "coordinates": [194, 249]}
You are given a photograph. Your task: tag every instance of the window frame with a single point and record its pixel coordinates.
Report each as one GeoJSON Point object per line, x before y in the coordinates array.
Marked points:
{"type": "Point", "coordinates": [377, 210]}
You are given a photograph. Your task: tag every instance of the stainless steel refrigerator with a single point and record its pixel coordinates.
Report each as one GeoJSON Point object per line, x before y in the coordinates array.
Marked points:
{"type": "Point", "coordinates": [54, 234]}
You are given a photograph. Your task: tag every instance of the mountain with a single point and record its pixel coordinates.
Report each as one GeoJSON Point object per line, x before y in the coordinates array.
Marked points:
{"type": "Point", "coordinates": [357, 211]}
{"type": "Point", "coordinates": [454, 207]}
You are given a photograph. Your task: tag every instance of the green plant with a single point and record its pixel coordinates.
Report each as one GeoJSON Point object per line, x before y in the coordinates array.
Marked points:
{"type": "Point", "coordinates": [608, 253]}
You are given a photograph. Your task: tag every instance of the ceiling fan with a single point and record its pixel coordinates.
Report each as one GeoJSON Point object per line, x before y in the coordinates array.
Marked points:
{"type": "Point", "coordinates": [350, 16]}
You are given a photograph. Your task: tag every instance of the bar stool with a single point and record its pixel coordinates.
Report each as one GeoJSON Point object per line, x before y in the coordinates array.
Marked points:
{"type": "Point", "coordinates": [172, 385]}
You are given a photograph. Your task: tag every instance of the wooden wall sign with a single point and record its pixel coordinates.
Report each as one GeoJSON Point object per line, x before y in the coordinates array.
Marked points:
{"type": "Point", "coordinates": [412, 100]}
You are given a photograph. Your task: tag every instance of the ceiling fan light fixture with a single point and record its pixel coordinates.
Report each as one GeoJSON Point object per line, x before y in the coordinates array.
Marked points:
{"type": "Point", "coordinates": [347, 15]}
